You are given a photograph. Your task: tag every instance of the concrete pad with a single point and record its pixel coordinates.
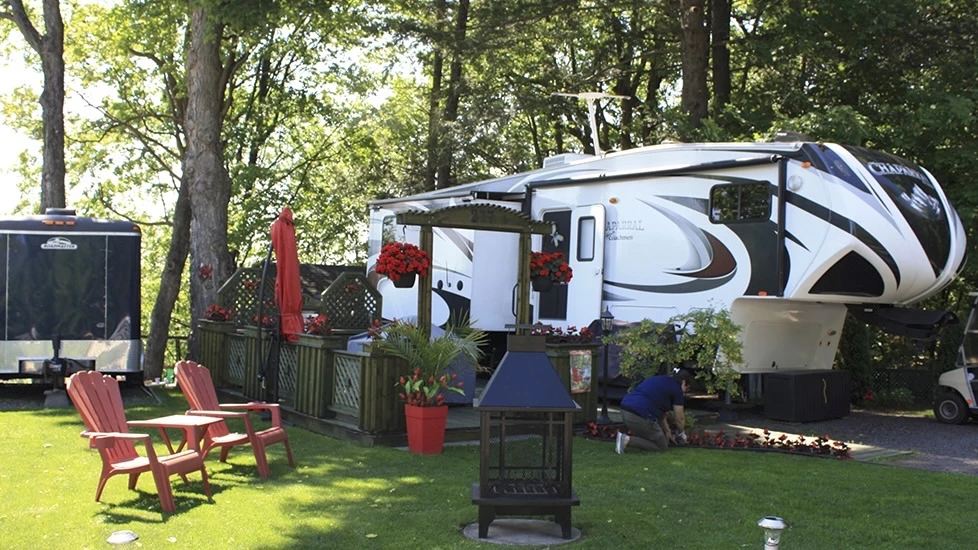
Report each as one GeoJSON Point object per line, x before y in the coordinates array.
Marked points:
{"type": "Point", "coordinates": [521, 532]}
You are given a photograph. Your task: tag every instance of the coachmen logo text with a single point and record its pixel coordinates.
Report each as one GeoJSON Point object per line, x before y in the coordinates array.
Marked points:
{"type": "Point", "coordinates": [59, 243]}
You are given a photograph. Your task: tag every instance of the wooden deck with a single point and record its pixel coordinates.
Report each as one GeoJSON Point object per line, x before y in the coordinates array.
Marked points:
{"type": "Point", "coordinates": [463, 424]}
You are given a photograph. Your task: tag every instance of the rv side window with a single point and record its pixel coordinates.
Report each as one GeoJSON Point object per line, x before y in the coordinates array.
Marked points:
{"type": "Point", "coordinates": [585, 239]}
{"type": "Point", "coordinates": [740, 202]}
{"type": "Point", "coordinates": [387, 232]}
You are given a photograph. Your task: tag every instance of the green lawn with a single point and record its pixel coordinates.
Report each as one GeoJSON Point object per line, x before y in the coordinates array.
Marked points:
{"type": "Point", "coordinates": [344, 496]}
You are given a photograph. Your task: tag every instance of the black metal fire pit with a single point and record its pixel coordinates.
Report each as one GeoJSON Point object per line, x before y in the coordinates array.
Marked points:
{"type": "Point", "coordinates": [526, 452]}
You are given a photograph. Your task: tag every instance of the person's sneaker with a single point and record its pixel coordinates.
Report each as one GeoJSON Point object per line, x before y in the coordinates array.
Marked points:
{"type": "Point", "coordinates": [621, 441]}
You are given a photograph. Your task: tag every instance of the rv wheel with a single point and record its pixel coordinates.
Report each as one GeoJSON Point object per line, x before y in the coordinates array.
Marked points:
{"type": "Point", "coordinates": [950, 408]}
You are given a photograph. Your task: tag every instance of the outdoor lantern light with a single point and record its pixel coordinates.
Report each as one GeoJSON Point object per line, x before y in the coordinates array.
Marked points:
{"type": "Point", "coordinates": [772, 530]}
{"type": "Point", "coordinates": [607, 324]}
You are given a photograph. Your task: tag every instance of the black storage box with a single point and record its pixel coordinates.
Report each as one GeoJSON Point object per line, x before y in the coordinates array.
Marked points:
{"type": "Point", "coordinates": [806, 395]}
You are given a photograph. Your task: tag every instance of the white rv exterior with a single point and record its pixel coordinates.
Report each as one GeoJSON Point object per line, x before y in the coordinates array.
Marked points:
{"type": "Point", "coordinates": [656, 231]}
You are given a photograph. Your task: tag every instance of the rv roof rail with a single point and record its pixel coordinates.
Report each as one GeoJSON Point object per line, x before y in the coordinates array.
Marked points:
{"type": "Point", "coordinates": [59, 212]}
{"type": "Point", "coordinates": [672, 171]}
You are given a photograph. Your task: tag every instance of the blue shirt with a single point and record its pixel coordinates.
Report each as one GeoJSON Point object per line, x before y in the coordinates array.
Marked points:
{"type": "Point", "coordinates": [653, 397]}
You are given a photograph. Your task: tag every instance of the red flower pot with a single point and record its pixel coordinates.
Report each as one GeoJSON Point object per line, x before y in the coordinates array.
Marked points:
{"type": "Point", "coordinates": [426, 428]}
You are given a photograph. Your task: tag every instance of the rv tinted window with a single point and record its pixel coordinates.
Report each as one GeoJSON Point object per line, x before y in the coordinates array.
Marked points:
{"type": "Point", "coordinates": [585, 239]}
{"type": "Point", "coordinates": [388, 234]}
{"type": "Point", "coordinates": [740, 202]}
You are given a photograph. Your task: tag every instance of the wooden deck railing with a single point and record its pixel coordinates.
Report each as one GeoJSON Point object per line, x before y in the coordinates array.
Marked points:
{"type": "Point", "coordinates": [316, 375]}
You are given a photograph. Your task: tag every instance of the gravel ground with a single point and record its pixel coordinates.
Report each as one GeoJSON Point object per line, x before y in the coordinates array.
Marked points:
{"type": "Point", "coordinates": [935, 446]}
{"type": "Point", "coordinates": [24, 396]}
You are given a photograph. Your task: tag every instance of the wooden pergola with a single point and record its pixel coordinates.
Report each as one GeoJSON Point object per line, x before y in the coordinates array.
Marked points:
{"type": "Point", "coordinates": [479, 217]}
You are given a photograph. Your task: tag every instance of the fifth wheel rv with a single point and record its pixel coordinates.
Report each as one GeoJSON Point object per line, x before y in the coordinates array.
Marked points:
{"type": "Point", "coordinates": [787, 236]}
{"type": "Point", "coordinates": [69, 297]}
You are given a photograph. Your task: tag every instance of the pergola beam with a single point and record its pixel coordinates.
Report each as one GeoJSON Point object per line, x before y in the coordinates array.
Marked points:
{"type": "Point", "coordinates": [479, 217]}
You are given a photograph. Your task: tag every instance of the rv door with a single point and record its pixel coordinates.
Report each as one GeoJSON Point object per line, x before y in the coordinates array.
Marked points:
{"type": "Point", "coordinates": [586, 257]}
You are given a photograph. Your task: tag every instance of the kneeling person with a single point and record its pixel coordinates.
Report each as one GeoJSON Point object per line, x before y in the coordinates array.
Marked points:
{"type": "Point", "coordinates": [644, 410]}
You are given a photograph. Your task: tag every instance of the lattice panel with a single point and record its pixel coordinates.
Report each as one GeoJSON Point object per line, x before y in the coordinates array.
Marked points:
{"type": "Point", "coordinates": [346, 382]}
{"type": "Point", "coordinates": [288, 364]}
{"type": "Point", "coordinates": [351, 302]}
{"type": "Point", "coordinates": [236, 360]}
{"type": "Point", "coordinates": [240, 294]}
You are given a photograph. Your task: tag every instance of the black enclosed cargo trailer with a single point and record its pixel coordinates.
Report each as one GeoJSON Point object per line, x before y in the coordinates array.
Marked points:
{"type": "Point", "coordinates": [69, 289]}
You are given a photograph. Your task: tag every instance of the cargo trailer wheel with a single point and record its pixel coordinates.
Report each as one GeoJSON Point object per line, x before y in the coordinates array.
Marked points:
{"type": "Point", "coordinates": [950, 408]}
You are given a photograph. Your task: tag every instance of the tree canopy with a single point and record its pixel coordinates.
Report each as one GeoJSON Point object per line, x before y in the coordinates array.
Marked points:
{"type": "Point", "coordinates": [201, 122]}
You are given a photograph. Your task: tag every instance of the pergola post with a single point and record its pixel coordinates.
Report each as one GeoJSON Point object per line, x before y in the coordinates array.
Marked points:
{"type": "Point", "coordinates": [424, 283]}
{"type": "Point", "coordinates": [523, 315]}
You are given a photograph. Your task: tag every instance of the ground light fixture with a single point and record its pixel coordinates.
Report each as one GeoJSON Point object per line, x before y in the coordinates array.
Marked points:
{"type": "Point", "coordinates": [122, 537]}
{"type": "Point", "coordinates": [772, 526]}
{"type": "Point", "coordinates": [607, 324]}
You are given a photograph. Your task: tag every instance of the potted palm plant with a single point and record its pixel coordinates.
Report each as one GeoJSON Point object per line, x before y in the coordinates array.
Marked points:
{"type": "Point", "coordinates": [425, 386]}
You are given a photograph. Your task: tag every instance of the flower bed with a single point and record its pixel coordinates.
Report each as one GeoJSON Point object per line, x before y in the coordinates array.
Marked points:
{"type": "Point", "coordinates": [765, 441]}
{"type": "Point", "coordinates": [798, 444]}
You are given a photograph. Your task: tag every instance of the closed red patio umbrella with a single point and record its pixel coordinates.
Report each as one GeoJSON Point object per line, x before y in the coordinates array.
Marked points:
{"type": "Point", "coordinates": [288, 290]}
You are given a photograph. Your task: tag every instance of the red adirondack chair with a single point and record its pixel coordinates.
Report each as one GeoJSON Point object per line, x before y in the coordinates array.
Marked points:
{"type": "Point", "coordinates": [99, 402]}
{"type": "Point", "coordinates": [195, 381]}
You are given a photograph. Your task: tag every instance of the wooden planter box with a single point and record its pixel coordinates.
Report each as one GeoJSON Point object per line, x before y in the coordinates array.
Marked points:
{"type": "Point", "coordinates": [214, 344]}
{"type": "Point", "coordinates": [560, 356]}
{"type": "Point", "coordinates": [381, 409]}
{"type": "Point", "coordinates": [365, 388]}
{"type": "Point", "coordinates": [314, 373]}
{"type": "Point", "coordinates": [251, 385]}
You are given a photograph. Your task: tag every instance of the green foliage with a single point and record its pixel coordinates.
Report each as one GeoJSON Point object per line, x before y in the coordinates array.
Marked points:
{"type": "Point", "coordinates": [894, 398]}
{"type": "Point", "coordinates": [707, 338]}
{"type": "Point", "coordinates": [855, 355]}
{"type": "Point", "coordinates": [838, 124]}
{"type": "Point", "coordinates": [327, 105]}
{"type": "Point", "coordinates": [428, 355]}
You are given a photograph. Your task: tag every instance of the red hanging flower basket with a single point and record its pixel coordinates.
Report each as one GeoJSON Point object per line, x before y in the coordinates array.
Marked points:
{"type": "Point", "coordinates": [398, 259]}
{"type": "Point", "coordinates": [549, 268]}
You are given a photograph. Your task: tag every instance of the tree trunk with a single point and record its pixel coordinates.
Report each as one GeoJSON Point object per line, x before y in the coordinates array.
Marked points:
{"type": "Point", "coordinates": [50, 47]}
{"type": "Point", "coordinates": [447, 149]}
{"type": "Point", "coordinates": [176, 260]}
{"type": "Point", "coordinates": [208, 181]}
{"type": "Point", "coordinates": [695, 59]}
{"type": "Point", "coordinates": [433, 143]}
{"type": "Point", "coordinates": [720, 22]}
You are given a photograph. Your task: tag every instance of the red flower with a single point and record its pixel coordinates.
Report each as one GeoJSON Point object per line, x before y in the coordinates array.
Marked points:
{"type": "Point", "coordinates": [552, 265]}
{"type": "Point", "coordinates": [217, 313]}
{"type": "Point", "coordinates": [397, 259]}
{"type": "Point", "coordinates": [318, 325]}
{"type": "Point", "coordinates": [557, 335]}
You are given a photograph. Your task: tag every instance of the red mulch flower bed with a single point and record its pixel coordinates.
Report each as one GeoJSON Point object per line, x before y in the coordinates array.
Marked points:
{"type": "Point", "coordinates": [813, 446]}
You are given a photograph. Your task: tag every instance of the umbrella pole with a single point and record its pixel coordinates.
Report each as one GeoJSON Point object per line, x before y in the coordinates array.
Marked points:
{"type": "Point", "coordinates": [263, 360]}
